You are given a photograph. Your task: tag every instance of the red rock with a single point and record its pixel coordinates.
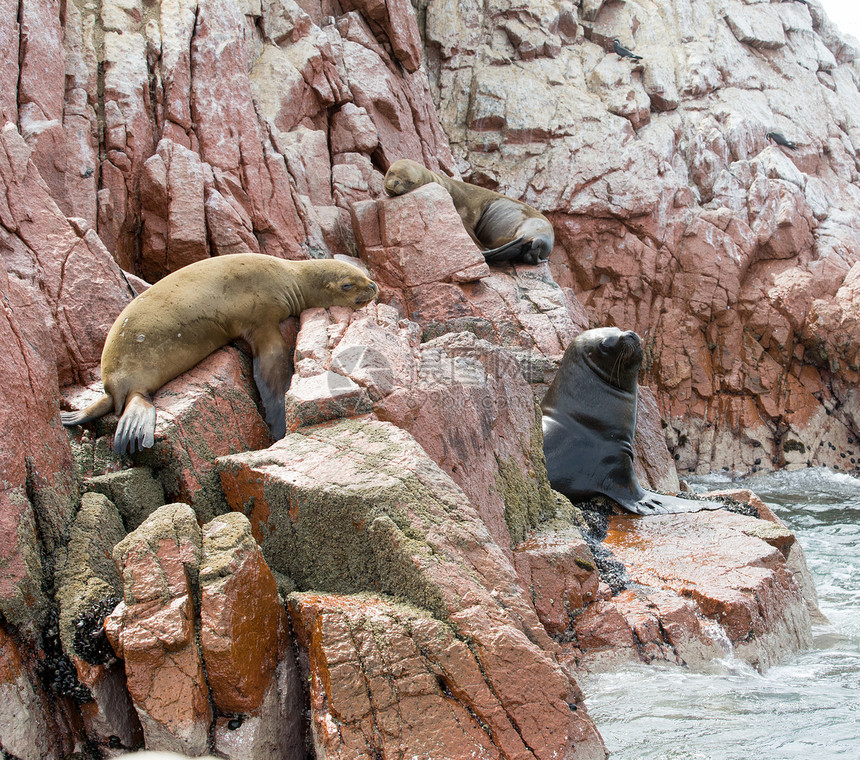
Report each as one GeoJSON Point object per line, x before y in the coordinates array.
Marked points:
{"type": "Point", "coordinates": [39, 492]}
{"type": "Point", "coordinates": [205, 413]}
{"type": "Point", "coordinates": [276, 728]}
{"type": "Point", "coordinates": [398, 24]}
{"type": "Point", "coordinates": [67, 265]}
{"type": "Point", "coordinates": [172, 199]}
{"type": "Point", "coordinates": [379, 351]}
{"type": "Point", "coordinates": [377, 365]}
{"type": "Point", "coordinates": [791, 549]}
{"type": "Point", "coordinates": [352, 131]}
{"type": "Point", "coordinates": [153, 630]}
{"type": "Point", "coordinates": [328, 396]}
{"type": "Point", "coordinates": [285, 22]}
{"type": "Point", "coordinates": [490, 447]}
{"type": "Point", "coordinates": [651, 459]}
{"type": "Point", "coordinates": [647, 625]}
{"type": "Point", "coordinates": [413, 225]}
{"type": "Point", "coordinates": [834, 324]}
{"type": "Point", "coordinates": [224, 109]}
{"type": "Point", "coordinates": [558, 568]}
{"type": "Point", "coordinates": [28, 726]}
{"type": "Point", "coordinates": [9, 31]}
{"type": "Point", "coordinates": [354, 179]}
{"type": "Point", "coordinates": [526, 307]}
{"type": "Point", "coordinates": [399, 106]}
{"type": "Point", "coordinates": [727, 564]}
{"type": "Point", "coordinates": [379, 674]}
{"type": "Point", "coordinates": [243, 623]}
{"type": "Point", "coordinates": [111, 713]}
{"type": "Point", "coordinates": [386, 500]}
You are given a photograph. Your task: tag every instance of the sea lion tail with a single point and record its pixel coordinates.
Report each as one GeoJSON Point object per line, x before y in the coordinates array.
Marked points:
{"type": "Point", "coordinates": [505, 252]}
{"type": "Point", "coordinates": [99, 408]}
{"type": "Point", "coordinates": [136, 426]}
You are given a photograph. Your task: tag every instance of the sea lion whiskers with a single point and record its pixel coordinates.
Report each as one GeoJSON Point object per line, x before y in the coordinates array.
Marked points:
{"type": "Point", "coordinates": [626, 353]}
{"type": "Point", "coordinates": [620, 360]}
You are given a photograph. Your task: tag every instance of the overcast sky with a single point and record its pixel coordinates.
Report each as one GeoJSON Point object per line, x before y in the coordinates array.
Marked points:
{"type": "Point", "coordinates": [845, 14]}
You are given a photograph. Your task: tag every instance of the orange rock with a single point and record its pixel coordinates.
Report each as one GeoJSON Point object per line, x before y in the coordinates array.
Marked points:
{"type": "Point", "coordinates": [243, 623]}
{"type": "Point", "coordinates": [387, 529]}
{"type": "Point", "coordinates": [728, 565]}
{"type": "Point", "coordinates": [29, 726]}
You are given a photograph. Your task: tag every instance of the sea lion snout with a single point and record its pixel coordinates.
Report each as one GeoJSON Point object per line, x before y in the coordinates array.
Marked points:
{"type": "Point", "coordinates": [612, 354]}
{"type": "Point", "coordinates": [405, 175]}
{"type": "Point", "coordinates": [627, 345]}
{"type": "Point", "coordinates": [371, 292]}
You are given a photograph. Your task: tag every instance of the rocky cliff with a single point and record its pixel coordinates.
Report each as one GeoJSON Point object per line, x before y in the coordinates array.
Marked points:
{"type": "Point", "coordinates": [674, 214]}
{"type": "Point", "coordinates": [429, 570]}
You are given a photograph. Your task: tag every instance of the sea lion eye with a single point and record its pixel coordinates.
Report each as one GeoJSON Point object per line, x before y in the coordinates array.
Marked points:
{"type": "Point", "coordinates": [347, 286]}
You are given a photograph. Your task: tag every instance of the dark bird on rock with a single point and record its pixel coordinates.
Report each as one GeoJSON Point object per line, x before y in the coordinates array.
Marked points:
{"type": "Point", "coordinates": [623, 51]}
{"type": "Point", "coordinates": [780, 139]}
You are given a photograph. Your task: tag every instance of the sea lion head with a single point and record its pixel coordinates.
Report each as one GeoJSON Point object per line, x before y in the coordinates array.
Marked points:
{"type": "Point", "coordinates": [614, 356]}
{"type": "Point", "coordinates": [405, 175]}
{"type": "Point", "coordinates": [344, 284]}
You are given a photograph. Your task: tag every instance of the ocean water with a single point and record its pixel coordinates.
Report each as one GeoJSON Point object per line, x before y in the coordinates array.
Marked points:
{"type": "Point", "coordinates": [805, 708]}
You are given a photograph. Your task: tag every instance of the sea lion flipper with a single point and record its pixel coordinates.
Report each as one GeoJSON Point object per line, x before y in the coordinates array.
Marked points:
{"type": "Point", "coordinates": [665, 504]}
{"type": "Point", "coordinates": [505, 252]}
{"type": "Point", "coordinates": [136, 428]}
{"type": "Point", "coordinates": [99, 408]}
{"type": "Point", "coordinates": [273, 369]}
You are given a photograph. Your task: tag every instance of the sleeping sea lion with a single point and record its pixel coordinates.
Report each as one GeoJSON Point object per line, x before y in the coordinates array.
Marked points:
{"type": "Point", "coordinates": [506, 229]}
{"type": "Point", "coordinates": [192, 312]}
{"type": "Point", "coordinates": [589, 419]}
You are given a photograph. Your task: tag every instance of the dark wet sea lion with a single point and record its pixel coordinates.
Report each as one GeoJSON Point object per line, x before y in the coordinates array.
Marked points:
{"type": "Point", "coordinates": [198, 309]}
{"type": "Point", "coordinates": [506, 229]}
{"type": "Point", "coordinates": [589, 420]}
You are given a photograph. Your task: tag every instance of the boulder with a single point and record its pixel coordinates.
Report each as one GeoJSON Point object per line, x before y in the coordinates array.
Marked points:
{"type": "Point", "coordinates": [379, 673]}
{"type": "Point", "coordinates": [396, 237]}
{"type": "Point", "coordinates": [134, 492]}
{"type": "Point", "coordinates": [395, 523]}
{"type": "Point", "coordinates": [559, 570]}
{"type": "Point", "coordinates": [732, 567]}
{"type": "Point", "coordinates": [247, 647]}
{"type": "Point", "coordinates": [243, 624]}
{"type": "Point", "coordinates": [153, 630]}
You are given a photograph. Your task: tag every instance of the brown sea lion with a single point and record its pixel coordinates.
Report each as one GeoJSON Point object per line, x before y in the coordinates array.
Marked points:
{"type": "Point", "coordinates": [506, 229]}
{"type": "Point", "coordinates": [589, 420]}
{"type": "Point", "coordinates": [192, 312]}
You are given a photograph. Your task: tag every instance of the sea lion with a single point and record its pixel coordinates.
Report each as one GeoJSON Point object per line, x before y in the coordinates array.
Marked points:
{"type": "Point", "coordinates": [192, 312]}
{"type": "Point", "coordinates": [506, 229]}
{"type": "Point", "coordinates": [589, 419]}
